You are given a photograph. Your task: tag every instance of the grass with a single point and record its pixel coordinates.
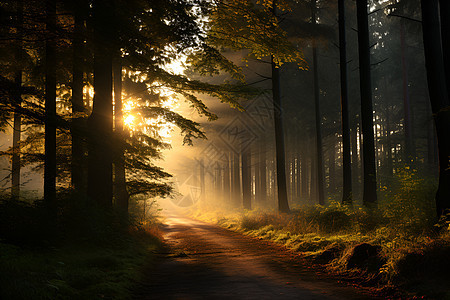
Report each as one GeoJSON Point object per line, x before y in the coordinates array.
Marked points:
{"type": "Point", "coordinates": [416, 263]}
{"type": "Point", "coordinates": [408, 250]}
{"type": "Point", "coordinates": [74, 271]}
{"type": "Point", "coordinates": [91, 253]}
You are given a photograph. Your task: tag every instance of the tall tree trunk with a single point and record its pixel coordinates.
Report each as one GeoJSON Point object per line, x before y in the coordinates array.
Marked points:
{"type": "Point", "coordinates": [101, 120]}
{"type": "Point", "coordinates": [304, 174]}
{"type": "Point", "coordinates": [319, 147]}
{"type": "Point", "coordinates": [246, 179]}
{"type": "Point", "coordinates": [370, 176]}
{"type": "Point", "coordinates": [409, 148]}
{"type": "Point", "coordinates": [226, 180]}
{"type": "Point", "coordinates": [50, 110]}
{"type": "Point", "coordinates": [431, 136]}
{"type": "Point", "coordinates": [257, 174]}
{"type": "Point", "coordinates": [263, 173]}
{"type": "Point", "coordinates": [17, 126]}
{"type": "Point", "coordinates": [236, 181]}
{"type": "Point", "coordinates": [202, 180]}
{"type": "Point", "coordinates": [388, 142]}
{"type": "Point", "coordinates": [437, 88]}
{"type": "Point", "coordinates": [121, 195]}
{"type": "Point", "coordinates": [283, 205]}
{"type": "Point", "coordinates": [345, 124]}
{"type": "Point", "coordinates": [312, 177]}
{"type": "Point", "coordinates": [332, 165]}
{"type": "Point", "coordinates": [77, 98]}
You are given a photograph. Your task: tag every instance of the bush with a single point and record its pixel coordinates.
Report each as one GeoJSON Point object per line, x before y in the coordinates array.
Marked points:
{"type": "Point", "coordinates": [408, 203]}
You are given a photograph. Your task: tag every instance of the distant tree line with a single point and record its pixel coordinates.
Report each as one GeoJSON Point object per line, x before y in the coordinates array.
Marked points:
{"type": "Point", "coordinates": [386, 117]}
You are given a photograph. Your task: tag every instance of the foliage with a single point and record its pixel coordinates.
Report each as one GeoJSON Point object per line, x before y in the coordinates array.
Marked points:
{"type": "Point", "coordinates": [74, 271]}
{"type": "Point", "coordinates": [88, 254]}
{"type": "Point", "coordinates": [408, 203]}
{"type": "Point", "coordinates": [242, 25]}
{"type": "Point", "coordinates": [412, 254]}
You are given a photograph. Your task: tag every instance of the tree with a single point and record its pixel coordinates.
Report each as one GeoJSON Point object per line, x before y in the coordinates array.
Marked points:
{"type": "Point", "coordinates": [101, 119]}
{"type": "Point", "coordinates": [370, 184]}
{"type": "Point", "coordinates": [241, 25]}
{"type": "Point", "coordinates": [17, 122]}
{"type": "Point", "coordinates": [434, 61]}
{"type": "Point", "coordinates": [50, 109]}
{"type": "Point", "coordinates": [78, 107]}
{"type": "Point", "coordinates": [121, 194]}
{"type": "Point", "coordinates": [318, 118]}
{"type": "Point", "coordinates": [346, 145]}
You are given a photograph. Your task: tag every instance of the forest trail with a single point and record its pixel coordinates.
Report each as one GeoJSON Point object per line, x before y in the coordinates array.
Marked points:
{"type": "Point", "coordinates": [204, 261]}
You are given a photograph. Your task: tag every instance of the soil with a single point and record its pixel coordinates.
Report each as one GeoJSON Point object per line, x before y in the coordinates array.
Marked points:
{"type": "Point", "coordinates": [204, 261]}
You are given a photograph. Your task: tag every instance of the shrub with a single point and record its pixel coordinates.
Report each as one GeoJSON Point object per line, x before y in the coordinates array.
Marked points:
{"type": "Point", "coordinates": [408, 204]}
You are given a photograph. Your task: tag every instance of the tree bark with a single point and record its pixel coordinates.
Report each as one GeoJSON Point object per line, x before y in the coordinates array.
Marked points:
{"type": "Point", "coordinates": [121, 196]}
{"type": "Point", "coordinates": [50, 110]}
{"type": "Point", "coordinates": [78, 107]}
{"type": "Point", "coordinates": [226, 180]}
{"type": "Point", "coordinates": [409, 147]}
{"type": "Point", "coordinates": [202, 181]}
{"type": "Point", "coordinates": [15, 166]}
{"type": "Point", "coordinates": [101, 120]}
{"type": "Point", "coordinates": [368, 146]}
{"type": "Point", "coordinates": [246, 179]}
{"type": "Point", "coordinates": [434, 62]}
{"type": "Point", "coordinates": [345, 123]}
{"type": "Point", "coordinates": [283, 205]}
{"type": "Point", "coordinates": [236, 180]}
{"type": "Point", "coordinates": [318, 117]}
{"type": "Point", "coordinates": [263, 173]}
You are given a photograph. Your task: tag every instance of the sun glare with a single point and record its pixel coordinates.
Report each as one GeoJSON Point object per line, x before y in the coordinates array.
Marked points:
{"type": "Point", "coordinates": [129, 120]}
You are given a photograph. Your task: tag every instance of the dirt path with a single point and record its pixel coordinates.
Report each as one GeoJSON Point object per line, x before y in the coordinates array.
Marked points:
{"type": "Point", "coordinates": [207, 262]}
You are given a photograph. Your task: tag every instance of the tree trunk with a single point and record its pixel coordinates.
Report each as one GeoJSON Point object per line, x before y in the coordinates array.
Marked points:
{"type": "Point", "coordinates": [263, 172]}
{"type": "Point", "coordinates": [50, 110]}
{"type": "Point", "coordinates": [370, 184]}
{"type": "Point", "coordinates": [304, 174]}
{"type": "Point", "coordinates": [346, 144]}
{"type": "Point", "coordinates": [202, 181]}
{"type": "Point", "coordinates": [437, 88]}
{"type": "Point", "coordinates": [319, 148]}
{"type": "Point", "coordinates": [332, 165]}
{"type": "Point", "coordinates": [236, 183]}
{"type": "Point", "coordinates": [283, 205]}
{"type": "Point", "coordinates": [17, 126]}
{"type": "Point", "coordinates": [101, 120]}
{"type": "Point", "coordinates": [78, 181]}
{"type": "Point", "coordinates": [226, 180]}
{"type": "Point", "coordinates": [121, 195]}
{"type": "Point", "coordinates": [388, 142]}
{"type": "Point", "coordinates": [409, 148]}
{"type": "Point", "coordinates": [246, 179]}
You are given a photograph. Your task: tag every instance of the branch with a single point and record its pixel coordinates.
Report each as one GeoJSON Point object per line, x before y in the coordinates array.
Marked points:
{"type": "Point", "coordinates": [265, 77]}
{"type": "Point", "coordinates": [380, 62]}
{"type": "Point", "coordinates": [404, 17]}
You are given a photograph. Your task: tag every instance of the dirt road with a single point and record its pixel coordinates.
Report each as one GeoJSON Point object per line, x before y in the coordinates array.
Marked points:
{"type": "Point", "coordinates": [204, 261]}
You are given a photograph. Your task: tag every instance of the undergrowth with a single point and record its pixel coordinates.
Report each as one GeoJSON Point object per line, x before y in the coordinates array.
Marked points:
{"type": "Point", "coordinates": [89, 253]}
{"type": "Point", "coordinates": [408, 250]}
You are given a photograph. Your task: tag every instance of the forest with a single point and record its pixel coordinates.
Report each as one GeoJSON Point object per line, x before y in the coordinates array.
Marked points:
{"type": "Point", "coordinates": [218, 149]}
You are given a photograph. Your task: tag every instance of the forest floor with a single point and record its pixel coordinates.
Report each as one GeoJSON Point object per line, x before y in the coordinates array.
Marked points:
{"type": "Point", "coordinates": [384, 258]}
{"type": "Point", "coordinates": [75, 270]}
{"type": "Point", "coordinates": [205, 261]}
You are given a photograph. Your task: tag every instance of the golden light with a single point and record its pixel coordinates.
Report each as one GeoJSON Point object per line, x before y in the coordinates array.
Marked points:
{"type": "Point", "coordinates": [129, 120]}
